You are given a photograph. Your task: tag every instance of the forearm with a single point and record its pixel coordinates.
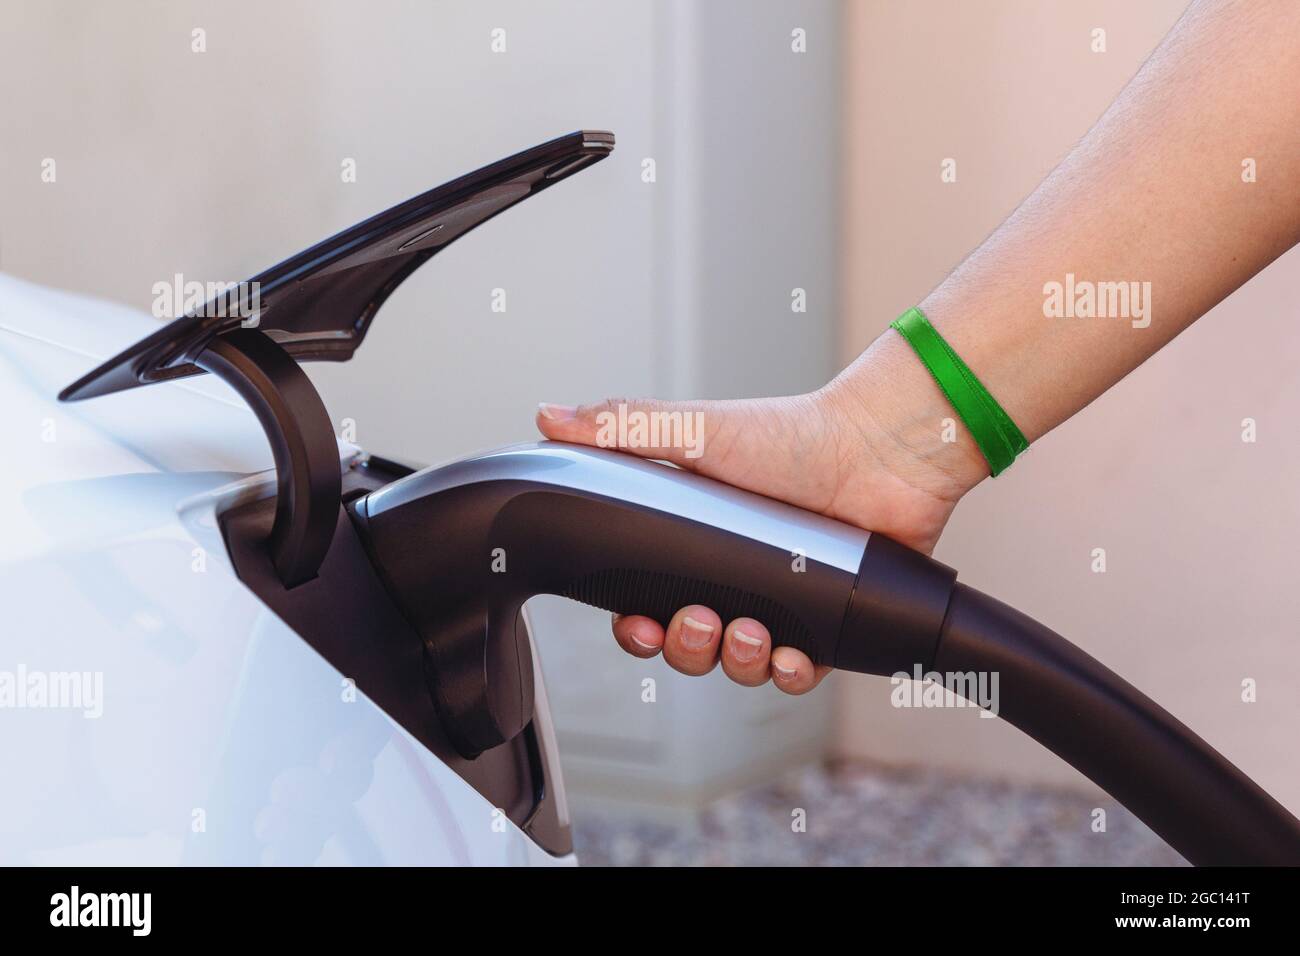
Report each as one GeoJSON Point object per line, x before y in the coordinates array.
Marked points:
{"type": "Point", "coordinates": [1153, 198]}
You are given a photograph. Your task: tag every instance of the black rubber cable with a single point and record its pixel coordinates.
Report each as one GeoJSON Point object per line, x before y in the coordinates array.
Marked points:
{"type": "Point", "coordinates": [1176, 783]}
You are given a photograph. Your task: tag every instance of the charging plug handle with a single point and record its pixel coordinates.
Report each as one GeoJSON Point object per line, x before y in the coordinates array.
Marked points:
{"type": "Point", "coordinates": [462, 547]}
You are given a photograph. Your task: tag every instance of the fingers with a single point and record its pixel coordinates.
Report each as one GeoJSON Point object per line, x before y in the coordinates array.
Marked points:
{"type": "Point", "coordinates": [695, 642]}
{"type": "Point", "coordinates": [691, 645]}
{"type": "Point", "coordinates": [639, 636]}
{"type": "Point", "coordinates": [625, 424]}
{"type": "Point", "coordinates": [746, 652]}
{"type": "Point", "coordinates": [793, 672]}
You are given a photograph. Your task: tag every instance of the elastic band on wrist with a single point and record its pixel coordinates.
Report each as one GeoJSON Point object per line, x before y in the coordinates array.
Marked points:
{"type": "Point", "coordinates": [997, 436]}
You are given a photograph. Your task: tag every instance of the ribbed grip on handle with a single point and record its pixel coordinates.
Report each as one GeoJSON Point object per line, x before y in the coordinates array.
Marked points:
{"type": "Point", "coordinates": [659, 595]}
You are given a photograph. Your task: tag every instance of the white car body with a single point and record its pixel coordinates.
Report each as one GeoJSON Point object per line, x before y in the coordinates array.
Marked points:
{"type": "Point", "coordinates": [152, 709]}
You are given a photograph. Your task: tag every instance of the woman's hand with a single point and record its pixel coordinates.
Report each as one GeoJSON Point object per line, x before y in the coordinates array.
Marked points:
{"type": "Point", "coordinates": [855, 451]}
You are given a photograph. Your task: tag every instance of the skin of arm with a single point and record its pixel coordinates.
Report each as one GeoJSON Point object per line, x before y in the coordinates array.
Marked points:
{"type": "Point", "coordinates": [1152, 194]}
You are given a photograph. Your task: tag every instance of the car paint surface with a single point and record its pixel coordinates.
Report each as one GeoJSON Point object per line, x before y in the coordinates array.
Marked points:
{"type": "Point", "coordinates": [217, 735]}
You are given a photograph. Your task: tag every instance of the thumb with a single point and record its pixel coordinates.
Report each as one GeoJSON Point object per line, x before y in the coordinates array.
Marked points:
{"type": "Point", "coordinates": [671, 431]}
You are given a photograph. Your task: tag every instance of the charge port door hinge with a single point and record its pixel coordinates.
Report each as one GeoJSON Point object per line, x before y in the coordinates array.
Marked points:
{"type": "Point", "coordinates": [308, 476]}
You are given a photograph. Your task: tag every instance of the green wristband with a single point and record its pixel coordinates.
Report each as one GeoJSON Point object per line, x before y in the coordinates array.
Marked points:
{"type": "Point", "coordinates": [999, 440]}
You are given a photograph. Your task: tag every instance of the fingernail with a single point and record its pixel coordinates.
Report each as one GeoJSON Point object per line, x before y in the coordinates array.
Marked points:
{"type": "Point", "coordinates": [557, 413]}
{"type": "Point", "coordinates": [785, 674]}
{"type": "Point", "coordinates": [654, 648]}
{"type": "Point", "coordinates": [696, 634]}
{"type": "Point", "coordinates": [744, 646]}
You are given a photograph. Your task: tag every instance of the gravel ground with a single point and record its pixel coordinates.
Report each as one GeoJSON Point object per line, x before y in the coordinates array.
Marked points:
{"type": "Point", "coordinates": [860, 814]}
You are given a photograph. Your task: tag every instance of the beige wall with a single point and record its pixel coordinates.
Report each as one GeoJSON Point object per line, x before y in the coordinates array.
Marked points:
{"type": "Point", "coordinates": [1199, 528]}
